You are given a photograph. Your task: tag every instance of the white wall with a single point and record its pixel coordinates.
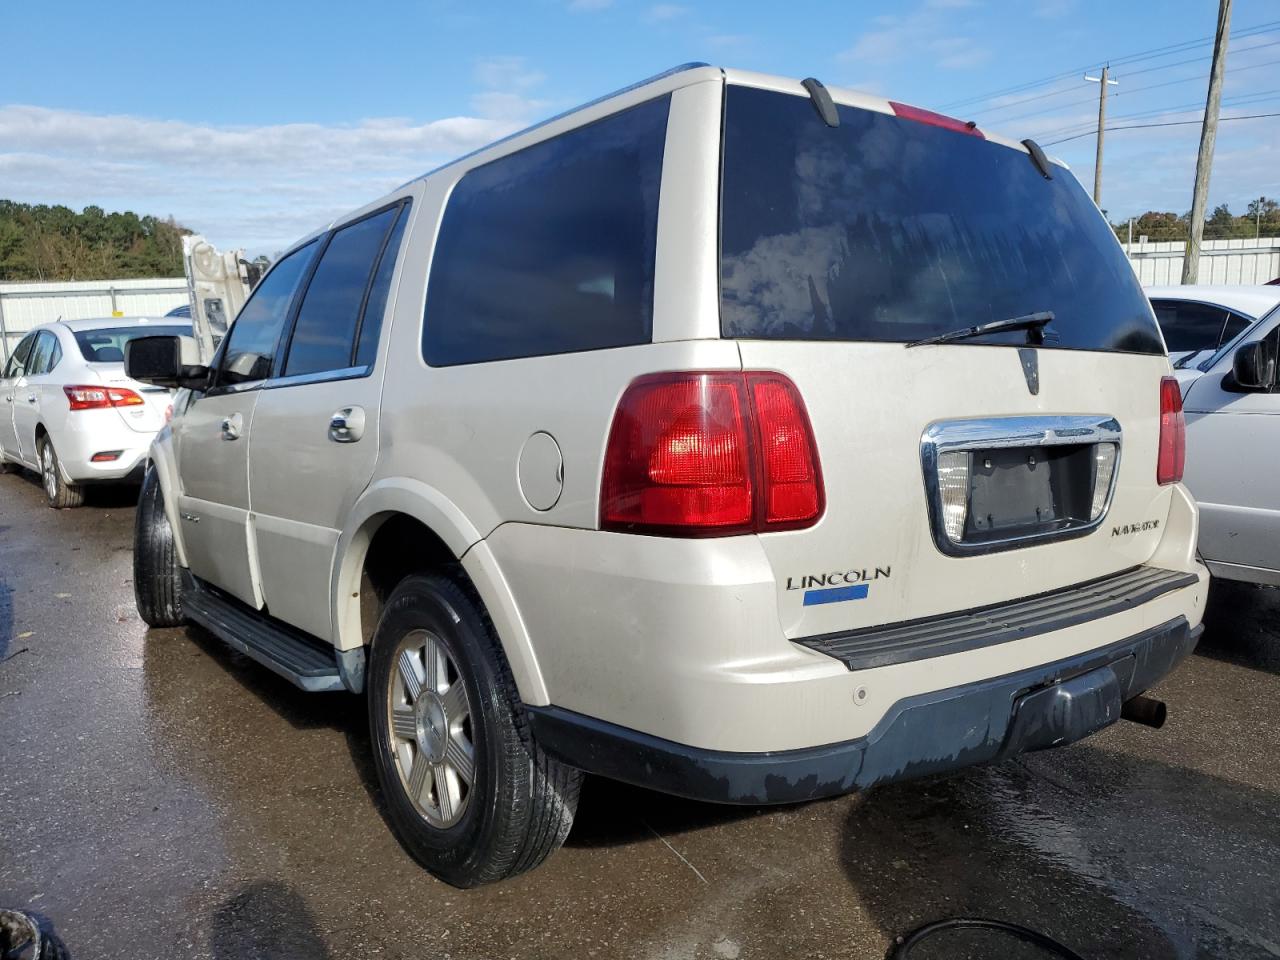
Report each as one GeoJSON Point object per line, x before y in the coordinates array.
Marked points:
{"type": "Point", "coordinates": [27, 305]}
{"type": "Point", "coordinates": [1221, 261]}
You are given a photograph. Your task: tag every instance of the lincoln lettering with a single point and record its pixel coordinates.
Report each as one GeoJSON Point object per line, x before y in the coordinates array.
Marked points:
{"type": "Point", "coordinates": [836, 579]}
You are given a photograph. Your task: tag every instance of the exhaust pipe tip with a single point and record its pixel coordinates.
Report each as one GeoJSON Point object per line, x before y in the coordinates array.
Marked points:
{"type": "Point", "coordinates": [1145, 710]}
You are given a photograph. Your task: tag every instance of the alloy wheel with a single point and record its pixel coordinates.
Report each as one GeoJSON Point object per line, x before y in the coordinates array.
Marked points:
{"type": "Point", "coordinates": [430, 729]}
{"type": "Point", "coordinates": [48, 472]}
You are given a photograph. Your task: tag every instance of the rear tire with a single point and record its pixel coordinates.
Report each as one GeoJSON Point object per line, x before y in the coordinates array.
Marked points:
{"type": "Point", "coordinates": [470, 795]}
{"type": "Point", "coordinates": [157, 578]}
{"type": "Point", "coordinates": [59, 494]}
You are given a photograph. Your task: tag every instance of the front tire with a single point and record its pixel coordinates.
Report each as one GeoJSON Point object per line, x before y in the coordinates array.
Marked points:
{"type": "Point", "coordinates": [157, 578]}
{"type": "Point", "coordinates": [59, 494]}
{"type": "Point", "coordinates": [470, 795]}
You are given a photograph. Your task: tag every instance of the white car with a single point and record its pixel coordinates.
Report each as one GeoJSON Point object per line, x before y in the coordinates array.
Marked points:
{"type": "Point", "coordinates": [729, 435]}
{"type": "Point", "coordinates": [1199, 320]}
{"type": "Point", "coordinates": [68, 411]}
{"type": "Point", "coordinates": [1233, 453]}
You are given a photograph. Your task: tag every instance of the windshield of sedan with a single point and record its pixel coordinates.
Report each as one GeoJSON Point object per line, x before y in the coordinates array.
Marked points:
{"type": "Point", "coordinates": [888, 229]}
{"type": "Point", "coordinates": [106, 344]}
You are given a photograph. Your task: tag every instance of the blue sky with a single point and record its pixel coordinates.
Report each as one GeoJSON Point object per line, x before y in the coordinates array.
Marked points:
{"type": "Point", "coordinates": [255, 123]}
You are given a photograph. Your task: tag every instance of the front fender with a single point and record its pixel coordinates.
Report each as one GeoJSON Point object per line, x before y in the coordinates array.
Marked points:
{"type": "Point", "coordinates": [161, 456]}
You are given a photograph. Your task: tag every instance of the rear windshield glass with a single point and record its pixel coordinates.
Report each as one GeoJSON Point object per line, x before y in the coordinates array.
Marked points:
{"type": "Point", "coordinates": [107, 345]}
{"type": "Point", "coordinates": [888, 229]}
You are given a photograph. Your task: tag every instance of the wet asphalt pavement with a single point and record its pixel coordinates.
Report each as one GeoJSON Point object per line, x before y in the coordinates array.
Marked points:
{"type": "Point", "coordinates": [161, 796]}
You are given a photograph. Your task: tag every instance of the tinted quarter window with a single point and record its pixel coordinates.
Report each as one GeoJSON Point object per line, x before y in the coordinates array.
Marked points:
{"type": "Point", "coordinates": [376, 306]}
{"type": "Point", "coordinates": [889, 229]}
{"type": "Point", "coordinates": [251, 343]}
{"type": "Point", "coordinates": [41, 354]}
{"type": "Point", "coordinates": [551, 249]}
{"type": "Point", "coordinates": [1190, 326]}
{"type": "Point", "coordinates": [1236, 325]}
{"type": "Point", "coordinates": [325, 331]}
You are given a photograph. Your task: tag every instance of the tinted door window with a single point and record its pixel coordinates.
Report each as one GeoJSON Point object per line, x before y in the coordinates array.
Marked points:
{"type": "Point", "coordinates": [251, 345]}
{"type": "Point", "coordinates": [325, 331]}
{"type": "Point", "coordinates": [18, 359]}
{"type": "Point", "coordinates": [888, 229]}
{"type": "Point", "coordinates": [371, 322]}
{"type": "Point", "coordinates": [1190, 326]}
{"type": "Point", "coordinates": [551, 249]}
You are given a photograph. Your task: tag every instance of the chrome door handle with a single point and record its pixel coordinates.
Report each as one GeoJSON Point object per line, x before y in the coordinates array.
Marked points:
{"type": "Point", "coordinates": [231, 427]}
{"type": "Point", "coordinates": [347, 425]}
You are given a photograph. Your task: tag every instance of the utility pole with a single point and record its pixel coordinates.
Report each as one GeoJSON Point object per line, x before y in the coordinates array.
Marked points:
{"type": "Point", "coordinates": [1257, 230]}
{"type": "Point", "coordinates": [1208, 136]}
{"type": "Point", "coordinates": [1103, 82]}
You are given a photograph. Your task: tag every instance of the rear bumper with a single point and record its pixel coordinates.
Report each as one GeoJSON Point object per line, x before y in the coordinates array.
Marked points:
{"type": "Point", "coordinates": [91, 432]}
{"type": "Point", "coordinates": [1046, 706]}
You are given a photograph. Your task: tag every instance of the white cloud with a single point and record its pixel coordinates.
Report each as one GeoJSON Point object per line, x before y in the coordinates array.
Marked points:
{"type": "Point", "coordinates": [665, 11]}
{"type": "Point", "coordinates": [512, 73]}
{"type": "Point", "coordinates": [923, 35]}
{"type": "Point", "coordinates": [258, 187]}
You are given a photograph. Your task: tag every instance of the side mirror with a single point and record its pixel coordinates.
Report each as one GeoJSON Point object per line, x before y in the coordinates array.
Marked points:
{"type": "Point", "coordinates": [1254, 366]}
{"type": "Point", "coordinates": [165, 362]}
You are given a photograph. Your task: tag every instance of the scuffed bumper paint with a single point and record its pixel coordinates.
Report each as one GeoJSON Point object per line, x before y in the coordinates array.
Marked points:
{"type": "Point", "coordinates": [1051, 705]}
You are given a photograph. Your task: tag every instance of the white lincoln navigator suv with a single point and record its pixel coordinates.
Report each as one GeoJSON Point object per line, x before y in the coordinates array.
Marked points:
{"type": "Point", "coordinates": [730, 435]}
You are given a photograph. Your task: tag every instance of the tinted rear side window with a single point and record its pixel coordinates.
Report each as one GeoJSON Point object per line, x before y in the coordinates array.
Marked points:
{"type": "Point", "coordinates": [888, 229]}
{"type": "Point", "coordinates": [325, 331]}
{"type": "Point", "coordinates": [551, 249]}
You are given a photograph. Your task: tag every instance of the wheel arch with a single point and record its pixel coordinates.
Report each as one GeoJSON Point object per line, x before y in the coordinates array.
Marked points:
{"type": "Point", "coordinates": [449, 537]}
{"type": "Point", "coordinates": [161, 457]}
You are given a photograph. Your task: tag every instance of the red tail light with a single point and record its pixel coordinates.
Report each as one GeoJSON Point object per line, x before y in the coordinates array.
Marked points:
{"type": "Point", "coordinates": [97, 398]}
{"type": "Point", "coordinates": [710, 454]}
{"type": "Point", "coordinates": [921, 115]}
{"type": "Point", "coordinates": [1173, 433]}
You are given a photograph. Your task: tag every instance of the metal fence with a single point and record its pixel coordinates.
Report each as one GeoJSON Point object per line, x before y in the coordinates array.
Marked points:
{"type": "Point", "coordinates": [27, 305]}
{"type": "Point", "coordinates": [1221, 261]}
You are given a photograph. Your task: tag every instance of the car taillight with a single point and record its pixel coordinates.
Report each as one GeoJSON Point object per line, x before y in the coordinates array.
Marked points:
{"type": "Point", "coordinates": [710, 454]}
{"type": "Point", "coordinates": [921, 115]}
{"type": "Point", "coordinates": [97, 398]}
{"type": "Point", "coordinates": [1173, 433]}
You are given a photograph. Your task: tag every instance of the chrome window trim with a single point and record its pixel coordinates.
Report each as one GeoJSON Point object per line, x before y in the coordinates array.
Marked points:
{"type": "Point", "coordinates": [995, 433]}
{"type": "Point", "coordinates": [320, 376]}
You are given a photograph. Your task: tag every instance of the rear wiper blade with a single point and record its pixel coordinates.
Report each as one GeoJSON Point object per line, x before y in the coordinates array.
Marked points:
{"type": "Point", "coordinates": [1034, 322]}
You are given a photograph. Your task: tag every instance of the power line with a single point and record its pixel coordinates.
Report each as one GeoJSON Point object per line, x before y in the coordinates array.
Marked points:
{"type": "Point", "coordinates": [1065, 90]}
{"type": "Point", "coordinates": [1132, 90]}
{"type": "Point", "coordinates": [1154, 53]}
{"type": "Point", "coordinates": [1144, 126]}
{"type": "Point", "coordinates": [1198, 105]}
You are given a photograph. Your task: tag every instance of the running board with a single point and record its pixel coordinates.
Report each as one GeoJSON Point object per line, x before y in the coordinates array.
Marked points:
{"type": "Point", "coordinates": [299, 658]}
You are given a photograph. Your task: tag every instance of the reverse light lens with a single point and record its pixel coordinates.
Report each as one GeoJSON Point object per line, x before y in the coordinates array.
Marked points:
{"type": "Point", "coordinates": [710, 454]}
{"type": "Point", "coordinates": [953, 484]}
{"type": "Point", "coordinates": [1173, 433]}
{"type": "Point", "coordinates": [1104, 468]}
{"type": "Point", "coordinates": [792, 489]}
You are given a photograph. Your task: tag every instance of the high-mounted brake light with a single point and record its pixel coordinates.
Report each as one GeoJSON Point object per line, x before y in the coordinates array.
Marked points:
{"type": "Point", "coordinates": [701, 454]}
{"type": "Point", "coordinates": [1173, 433]}
{"type": "Point", "coordinates": [921, 115]}
{"type": "Point", "coordinates": [98, 398]}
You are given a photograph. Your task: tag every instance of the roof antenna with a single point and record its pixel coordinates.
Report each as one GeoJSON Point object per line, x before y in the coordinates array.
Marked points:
{"type": "Point", "coordinates": [822, 101]}
{"type": "Point", "coordinates": [1038, 158]}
